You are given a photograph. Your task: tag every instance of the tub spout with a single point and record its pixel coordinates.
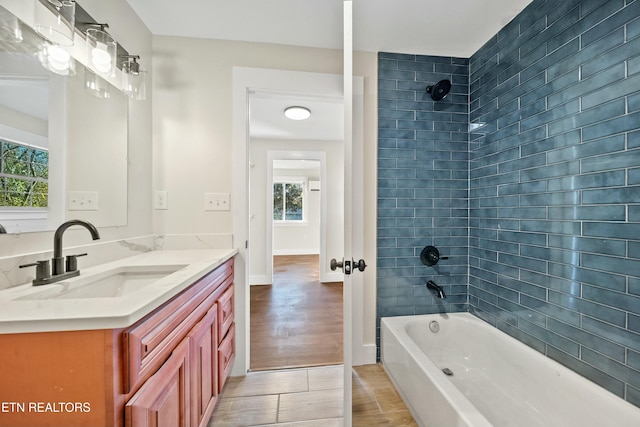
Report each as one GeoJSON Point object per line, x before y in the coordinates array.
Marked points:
{"type": "Point", "coordinates": [431, 285]}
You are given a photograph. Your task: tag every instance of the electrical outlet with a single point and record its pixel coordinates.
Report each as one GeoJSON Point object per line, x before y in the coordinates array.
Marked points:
{"type": "Point", "coordinates": [83, 201]}
{"type": "Point", "coordinates": [160, 200]}
{"type": "Point", "coordinates": [216, 202]}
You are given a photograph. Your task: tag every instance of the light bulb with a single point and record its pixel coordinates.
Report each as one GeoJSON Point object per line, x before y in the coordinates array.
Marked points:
{"type": "Point", "coordinates": [101, 59]}
{"type": "Point", "coordinates": [58, 58]}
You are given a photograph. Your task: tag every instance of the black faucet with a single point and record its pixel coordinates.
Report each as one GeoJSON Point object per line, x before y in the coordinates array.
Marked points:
{"type": "Point", "coordinates": [431, 285]}
{"type": "Point", "coordinates": [57, 272]}
{"type": "Point", "coordinates": [57, 266]}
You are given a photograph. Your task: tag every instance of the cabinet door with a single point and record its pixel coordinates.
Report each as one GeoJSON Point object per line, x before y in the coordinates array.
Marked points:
{"type": "Point", "coordinates": [163, 401]}
{"type": "Point", "coordinates": [204, 367]}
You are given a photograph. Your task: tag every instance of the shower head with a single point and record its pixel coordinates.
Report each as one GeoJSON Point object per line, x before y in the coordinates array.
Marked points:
{"type": "Point", "coordinates": [439, 90]}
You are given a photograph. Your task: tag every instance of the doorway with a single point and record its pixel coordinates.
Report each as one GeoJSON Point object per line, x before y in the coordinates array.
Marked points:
{"type": "Point", "coordinates": [295, 304]}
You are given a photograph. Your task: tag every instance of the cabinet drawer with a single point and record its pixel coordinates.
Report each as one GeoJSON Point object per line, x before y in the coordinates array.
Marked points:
{"type": "Point", "coordinates": [226, 354]}
{"type": "Point", "coordinates": [225, 312]}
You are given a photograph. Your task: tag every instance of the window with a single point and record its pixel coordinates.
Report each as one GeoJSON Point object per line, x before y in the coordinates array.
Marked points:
{"type": "Point", "coordinates": [288, 201]}
{"type": "Point", "coordinates": [24, 173]}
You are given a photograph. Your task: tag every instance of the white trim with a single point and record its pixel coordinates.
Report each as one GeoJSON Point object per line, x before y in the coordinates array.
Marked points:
{"type": "Point", "coordinates": [273, 155]}
{"type": "Point", "coordinates": [258, 279]}
{"type": "Point", "coordinates": [297, 251]}
{"type": "Point", "coordinates": [245, 80]}
{"type": "Point", "coordinates": [369, 353]}
{"type": "Point", "coordinates": [349, 219]}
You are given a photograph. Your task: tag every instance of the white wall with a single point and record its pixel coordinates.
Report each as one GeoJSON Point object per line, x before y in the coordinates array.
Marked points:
{"type": "Point", "coordinates": [192, 132]}
{"type": "Point", "coordinates": [127, 28]}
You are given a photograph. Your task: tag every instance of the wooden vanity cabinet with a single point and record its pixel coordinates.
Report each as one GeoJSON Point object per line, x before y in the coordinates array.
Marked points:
{"type": "Point", "coordinates": [165, 370]}
{"type": "Point", "coordinates": [188, 381]}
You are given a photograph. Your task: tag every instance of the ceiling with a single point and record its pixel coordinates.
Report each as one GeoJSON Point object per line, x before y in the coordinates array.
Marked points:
{"type": "Point", "coordinates": [425, 27]}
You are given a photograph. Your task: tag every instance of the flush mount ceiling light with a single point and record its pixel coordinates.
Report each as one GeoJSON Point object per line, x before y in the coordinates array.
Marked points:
{"type": "Point", "coordinates": [297, 112]}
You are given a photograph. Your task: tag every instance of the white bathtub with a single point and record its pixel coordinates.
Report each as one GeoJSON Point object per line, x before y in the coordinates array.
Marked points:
{"type": "Point", "coordinates": [497, 380]}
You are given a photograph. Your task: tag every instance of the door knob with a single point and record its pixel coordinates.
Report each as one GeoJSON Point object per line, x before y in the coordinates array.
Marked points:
{"type": "Point", "coordinates": [345, 266]}
{"type": "Point", "coordinates": [360, 265]}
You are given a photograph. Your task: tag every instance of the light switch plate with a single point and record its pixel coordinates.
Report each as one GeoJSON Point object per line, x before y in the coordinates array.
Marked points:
{"type": "Point", "coordinates": [216, 202]}
{"type": "Point", "coordinates": [160, 200]}
{"type": "Point", "coordinates": [83, 201]}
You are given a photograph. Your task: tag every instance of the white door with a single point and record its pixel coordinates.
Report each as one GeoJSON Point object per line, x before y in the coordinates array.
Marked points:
{"type": "Point", "coordinates": [352, 264]}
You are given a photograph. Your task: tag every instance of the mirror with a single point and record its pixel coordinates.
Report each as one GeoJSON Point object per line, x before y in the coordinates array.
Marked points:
{"type": "Point", "coordinates": [63, 151]}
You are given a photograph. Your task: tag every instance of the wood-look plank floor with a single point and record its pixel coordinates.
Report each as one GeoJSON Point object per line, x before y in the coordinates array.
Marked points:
{"type": "Point", "coordinates": [375, 400]}
{"type": "Point", "coordinates": [296, 321]}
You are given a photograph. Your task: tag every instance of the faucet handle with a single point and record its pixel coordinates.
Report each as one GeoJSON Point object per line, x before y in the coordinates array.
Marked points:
{"type": "Point", "coordinates": [71, 263]}
{"type": "Point", "coordinates": [42, 269]}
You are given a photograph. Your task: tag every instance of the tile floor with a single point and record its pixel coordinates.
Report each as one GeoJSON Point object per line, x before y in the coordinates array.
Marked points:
{"type": "Point", "coordinates": [311, 397]}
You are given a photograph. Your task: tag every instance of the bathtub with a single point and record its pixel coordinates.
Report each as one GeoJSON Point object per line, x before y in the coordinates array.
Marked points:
{"type": "Point", "coordinates": [495, 379]}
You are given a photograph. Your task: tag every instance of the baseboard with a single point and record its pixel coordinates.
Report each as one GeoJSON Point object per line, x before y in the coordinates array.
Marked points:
{"type": "Point", "coordinates": [367, 356]}
{"type": "Point", "coordinates": [259, 280]}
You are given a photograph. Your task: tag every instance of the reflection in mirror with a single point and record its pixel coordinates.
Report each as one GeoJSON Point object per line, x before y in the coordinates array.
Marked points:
{"type": "Point", "coordinates": [63, 151]}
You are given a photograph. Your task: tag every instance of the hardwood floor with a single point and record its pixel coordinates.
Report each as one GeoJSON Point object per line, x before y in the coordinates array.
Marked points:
{"type": "Point", "coordinates": [296, 321]}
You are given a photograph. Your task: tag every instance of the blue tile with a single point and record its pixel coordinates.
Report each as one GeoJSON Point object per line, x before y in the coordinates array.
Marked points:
{"type": "Point", "coordinates": [630, 194]}
{"type": "Point", "coordinates": [587, 149]}
{"type": "Point", "coordinates": [591, 309]}
{"type": "Point", "coordinates": [575, 274]}
{"type": "Point", "coordinates": [612, 91]}
{"type": "Point", "coordinates": [610, 383]}
{"type": "Point", "coordinates": [611, 264]}
{"type": "Point", "coordinates": [572, 91]}
{"type": "Point", "coordinates": [585, 244]}
{"type": "Point", "coordinates": [615, 56]}
{"type": "Point", "coordinates": [539, 206]}
{"type": "Point", "coordinates": [602, 345]}
{"type": "Point", "coordinates": [614, 160]}
{"type": "Point", "coordinates": [611, 367]}
{"type": "Point", "coordinates": [589, 213]}
{"type": "Point", "coordinates": [610, 127]}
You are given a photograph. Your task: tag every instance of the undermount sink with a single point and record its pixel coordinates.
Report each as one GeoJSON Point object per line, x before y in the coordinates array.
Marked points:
{"type": "Point", "coordinates": [115, 283]}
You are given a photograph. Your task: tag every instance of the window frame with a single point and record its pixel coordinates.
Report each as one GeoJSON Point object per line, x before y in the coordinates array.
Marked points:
{"type": "Point", "coordinates": [305, 191]}
{"type": "Point", "coordinates": [34, 179]}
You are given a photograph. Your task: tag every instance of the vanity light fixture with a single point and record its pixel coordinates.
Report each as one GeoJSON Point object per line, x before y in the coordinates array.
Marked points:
{"type": "Point", "coordinates": [297, 112]}
{"type": "Point", "coordinates": [96, 85]}
{"type": "Point", "coordinates": [10, 29]}
{"type": "Point", "coordinates": [57, 59]}
{"type": "Point", "coordinates": [101, 51]}
{"type": "Point", "coordinates": [133, 78]}
{"type": "Point", "coordinates": [55, 20]}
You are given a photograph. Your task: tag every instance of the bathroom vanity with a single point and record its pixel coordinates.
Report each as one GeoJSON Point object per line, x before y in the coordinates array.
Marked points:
{"type": "Point", "coordinates": [158, 354]}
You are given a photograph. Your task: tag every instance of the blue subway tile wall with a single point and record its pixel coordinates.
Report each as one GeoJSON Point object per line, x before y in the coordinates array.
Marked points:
{"type": "Point", "coordinates": [423, 166]}
{"type": "Point", "coordinates": [554, 187]}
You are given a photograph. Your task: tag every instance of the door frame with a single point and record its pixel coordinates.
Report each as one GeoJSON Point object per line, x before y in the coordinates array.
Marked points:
{"type": "Point", "coordinates": [320, 156]}
{"type": "Point", "coordinates": [245, 80]}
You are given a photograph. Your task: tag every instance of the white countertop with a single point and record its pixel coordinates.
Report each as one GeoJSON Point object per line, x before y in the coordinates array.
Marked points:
{"type": "Point", "coordinates": [18, 315]}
